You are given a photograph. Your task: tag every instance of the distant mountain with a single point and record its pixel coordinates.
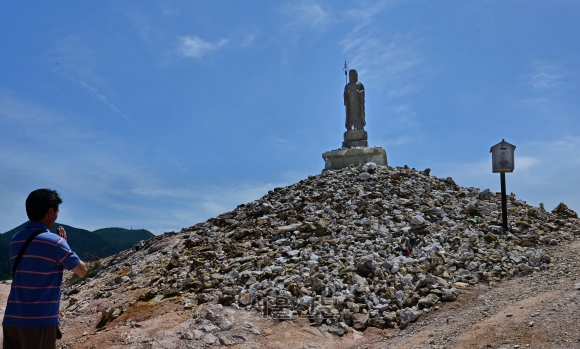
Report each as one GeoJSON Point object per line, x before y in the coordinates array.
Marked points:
{"type": "Point", "coordinates": [123, 238]}
{"type": "Point", "coordinates": [87, 245]}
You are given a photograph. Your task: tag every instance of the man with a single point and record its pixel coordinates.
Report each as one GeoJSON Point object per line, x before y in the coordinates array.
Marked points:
{"type": "Point", "coordinates": [31, 316]}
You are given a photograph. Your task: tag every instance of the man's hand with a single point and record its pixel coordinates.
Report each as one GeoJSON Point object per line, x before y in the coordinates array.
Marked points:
{"type": "Point", "coordinates": [61, 232]}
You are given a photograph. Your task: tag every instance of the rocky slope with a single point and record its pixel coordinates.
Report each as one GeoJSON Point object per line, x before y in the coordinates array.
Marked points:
{"type": "Point", "coordinates": [361, 247]}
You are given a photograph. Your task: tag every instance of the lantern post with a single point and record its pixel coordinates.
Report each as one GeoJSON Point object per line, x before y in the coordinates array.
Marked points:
{"type": "Point", "coordinates": [502, 161]}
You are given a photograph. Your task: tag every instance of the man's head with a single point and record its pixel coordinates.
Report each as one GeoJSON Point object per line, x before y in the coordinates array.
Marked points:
{"type": "Point", "coordinates": [42, 206]}
{"type": "Point", "coordinates": [353, 75]}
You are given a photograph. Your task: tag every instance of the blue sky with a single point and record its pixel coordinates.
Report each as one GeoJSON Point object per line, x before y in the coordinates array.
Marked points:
{"type": "Point", "coordinates": [161, 114]}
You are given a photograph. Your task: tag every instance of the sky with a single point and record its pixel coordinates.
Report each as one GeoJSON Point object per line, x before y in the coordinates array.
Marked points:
{"type": "Point", "coordinates": [162, 114]}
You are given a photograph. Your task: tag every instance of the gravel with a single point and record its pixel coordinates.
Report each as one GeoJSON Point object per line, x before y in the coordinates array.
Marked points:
{"type": "Point", "coordinates": [362, 246]}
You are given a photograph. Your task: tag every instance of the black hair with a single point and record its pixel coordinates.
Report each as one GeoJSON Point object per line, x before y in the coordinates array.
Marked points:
{"type": "Point", "coordinates": [40, 201]}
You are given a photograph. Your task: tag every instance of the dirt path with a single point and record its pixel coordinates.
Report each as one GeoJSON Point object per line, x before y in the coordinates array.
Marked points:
{"type": "Point", "coordinates": [536, 311]}
{"type": "Point", "coordinates": [541, 310]}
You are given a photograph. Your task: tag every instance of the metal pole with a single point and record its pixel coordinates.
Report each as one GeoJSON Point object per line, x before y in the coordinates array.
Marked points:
{"type": "Point", "coordinates": [503, 203]}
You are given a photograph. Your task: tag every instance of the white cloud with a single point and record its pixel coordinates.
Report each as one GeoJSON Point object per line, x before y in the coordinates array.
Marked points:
{"type": "Point", "coordinates": [562, 152]}
{"type": "Point", "coordinates": [167, 8]}
{"type": "Point", "coordinates": [525, 163]}
{"type": "Point", "coordinates": [404, 91]}
{"type": "Point", "coordinates": [102, 98]}
{"type": "Point", "coordinates": [404, 115]}
{"type": "Point", "coordinates": [367, 10]}
{"type": "Point", "coordinates": [391, 62]}
{"type": "Point", "coordinates": [248, 40]}
{"type": "Point", "coordinates": [551, 88]}
{"type": "Point", "coordinates": [545, 75]}
{"type": "Point", "coordinates": [70, 56]}
{"type": "Point", "coordinates": [17, 112]}
{"type": "Point", "coordinates": [194, 46]}
{"type": "Point", "coordinates": [142, 24]}
{"type": "Point", "coordinates": [306, 15]}
{"type": "Point", "coordinates": [75, 62]}
{"type": "Point", "coordinates": [25, 120]}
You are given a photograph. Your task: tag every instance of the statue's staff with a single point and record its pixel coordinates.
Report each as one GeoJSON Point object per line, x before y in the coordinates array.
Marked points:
{"type": "Point", "coordinates": [345, 70]}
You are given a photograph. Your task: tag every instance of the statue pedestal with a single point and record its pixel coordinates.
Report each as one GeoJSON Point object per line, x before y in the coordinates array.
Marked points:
{"type": "Point", "coordinates": [355, 138]}
{"type": "Point", "coordinates": [337, 159]}
{"type": "Point", "coordinates": [353, 144]}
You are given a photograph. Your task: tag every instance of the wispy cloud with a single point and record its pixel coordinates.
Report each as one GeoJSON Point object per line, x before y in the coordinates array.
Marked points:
{"type": "Point", "coordinates": [525, 163]}
{"type": "Point", "coordinates": [367, 10]}
{"type": "Point", "coordinates": [102, 98]}
{"type": "Point", "coordinates": [75, 62]}
{"type": "Point", "coordinates": [143, 25]}
{"type": "Point", "coordinates": [248, 40]}
{"type": "Point", "coordinates": [550, 94]}
{"type": "Point", "coordinates": [404, 115]}
{"type": "Point", "coordinates": [404, 90]}
{"type": "Point", "coordinates": [167, 8]}
{"type": "Point", "coordinates": [196, 47]}
{"type": "Point", "coordinates": [25, 120]}
{"type": "Point", "coordinates": [392, 61]}
{"type": "Point", "coordinates": [305, 15]}
{"type": "Point", "coordinates": [545, 75]}
{"type": "Point", "coordinates": [566, 149]}
{"type": "Point", "coordinates": [71, 56]}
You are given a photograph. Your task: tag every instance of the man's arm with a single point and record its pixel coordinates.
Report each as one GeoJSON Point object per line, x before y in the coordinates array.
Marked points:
{"type": "Point", "coordinates": [81, 269]}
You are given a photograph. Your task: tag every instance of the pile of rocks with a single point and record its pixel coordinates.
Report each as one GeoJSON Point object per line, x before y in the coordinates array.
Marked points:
{"type": "Point", "coordinates": [362, 246]}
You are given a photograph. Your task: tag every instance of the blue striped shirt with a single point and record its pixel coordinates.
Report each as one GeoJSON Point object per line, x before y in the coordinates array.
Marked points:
{"type": "Point", "coordinates": [34, 298]}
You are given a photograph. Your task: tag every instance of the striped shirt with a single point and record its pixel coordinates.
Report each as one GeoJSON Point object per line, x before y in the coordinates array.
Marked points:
{"type": "Point", "coordinates": [34, 298]}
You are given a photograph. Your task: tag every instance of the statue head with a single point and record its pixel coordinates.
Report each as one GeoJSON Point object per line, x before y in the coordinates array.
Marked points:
{"type": "Point", "coordinates": [353, 75]}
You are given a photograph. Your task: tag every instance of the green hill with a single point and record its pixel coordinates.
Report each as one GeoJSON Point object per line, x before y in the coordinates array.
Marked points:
{"type": "Point", "coordinates": [123, 238]}
{"type": "Point", "coordinates": [87, 245]}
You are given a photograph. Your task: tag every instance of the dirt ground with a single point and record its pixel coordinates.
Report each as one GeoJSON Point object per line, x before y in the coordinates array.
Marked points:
{"type": "Point", "coordinates": [540, 310]}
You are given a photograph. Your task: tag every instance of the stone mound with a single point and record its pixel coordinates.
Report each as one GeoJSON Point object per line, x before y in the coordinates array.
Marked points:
{"type": "Point", "coordinates": [563, 210]}
{"type": "Point", "coordinates": [362, 246]}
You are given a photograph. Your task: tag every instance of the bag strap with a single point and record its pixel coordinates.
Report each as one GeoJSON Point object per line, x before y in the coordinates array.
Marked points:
{"type": "Point", "coordinates": [21, 253]}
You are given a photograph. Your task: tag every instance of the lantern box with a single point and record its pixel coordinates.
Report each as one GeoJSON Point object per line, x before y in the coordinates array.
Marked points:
{"type": "Point", "coordinates": [502, 157]}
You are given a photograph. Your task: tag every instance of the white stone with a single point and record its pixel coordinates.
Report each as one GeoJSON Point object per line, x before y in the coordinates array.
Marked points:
{"type": "Point", "coordinates": [417, 221]}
